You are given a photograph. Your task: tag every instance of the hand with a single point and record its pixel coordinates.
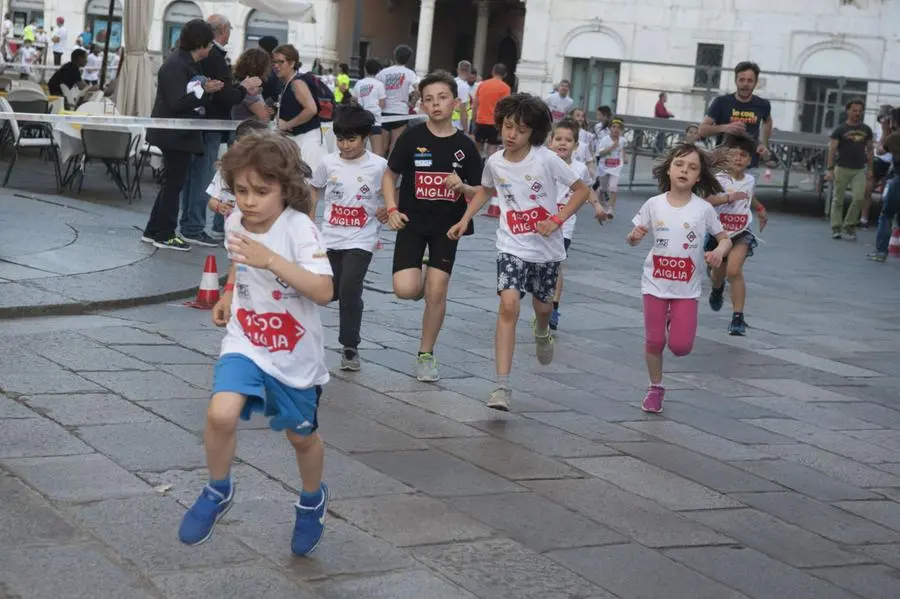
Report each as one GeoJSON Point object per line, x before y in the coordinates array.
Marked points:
{"type": "Point", "coordinates": [382, 215]}
{"type": "Point", "coordinates": [829, 175]}
{"type": "Point", "coordinates": [763, 220]}
{"type": "Point", "coordinates": [453, 183]}
{"type": "Point", "coordinates": [250, 252]}
{"type": "Point", "coordinates": [713, 258]}
{"type": "Point", "coordinates": [283, 125]}
{"type": "Point", "coordinates": [458, 230]}
{"type": "Point", "coordinates": [763, 152]}
{"type": "Point", "coordinates": [252, 84]}
{"type": "Point", "coordinates": [547, 227]}
{"type": "Point", "coordinates": [735, 127]}
{"type": "Point", "coordinates": [221, 313]}
{"type": "Point", "coordinates": [637, 234]}
{"type": "Point", "coordinates": [397, 220]}
{"type": "Point", "coordinates": [211, 86]}
{"type": "Point", "coordinates": [737, 196]}
{"type": "Point", "coordinates": [599, 213]}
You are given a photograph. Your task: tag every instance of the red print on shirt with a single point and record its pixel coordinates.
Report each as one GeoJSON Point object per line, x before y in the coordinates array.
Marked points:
{"type": "Point", "coordinates": [272, 330]}
{"type": "Point", "coordinates": [733, 222]}
{"type": "Point", "coordinates": [525, 221]}
{"type": "Point", "coordinates": [433, 186]}
{"type": "Point", "coordinates": [348, 216]}
{"type": "Point", "coordinates": [673, 268]}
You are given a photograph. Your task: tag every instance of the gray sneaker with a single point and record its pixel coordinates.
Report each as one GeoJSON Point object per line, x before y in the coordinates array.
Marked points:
{"type": "Point", "coordinates": [849, 234]}
{"type": "Point", "coordinates": [500, 398]}
{"type": "Point", "coordinates": [544, 345]}
{"type": "Point", "coordinates": [427, 368]}
{"type": "Point", "coordinates": [350, 359]}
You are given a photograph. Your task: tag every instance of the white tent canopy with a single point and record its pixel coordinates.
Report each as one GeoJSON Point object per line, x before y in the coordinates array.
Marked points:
{"type": "Point", "coordinates": [134, 90]}
{"type": "Point", "coordinates": [291, 10]}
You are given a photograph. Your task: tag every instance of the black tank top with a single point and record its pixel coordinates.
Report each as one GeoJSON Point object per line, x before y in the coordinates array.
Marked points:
{"type": "Point", "coordinates": [289, 107]}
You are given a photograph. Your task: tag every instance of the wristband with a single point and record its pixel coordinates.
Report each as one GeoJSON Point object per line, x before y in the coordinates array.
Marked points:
{"type": "Point", "coordinates": [761, 209]}
{"type": "Point", "coordinates": [391, 210]}
{"type": "Point", "coordinates": [229, 287]}
{"type": "Point", "coordinates": [554, 218]}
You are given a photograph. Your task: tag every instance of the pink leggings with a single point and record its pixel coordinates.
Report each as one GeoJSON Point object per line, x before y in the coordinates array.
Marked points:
{"type": "Point", "coordinates": [681, 315]}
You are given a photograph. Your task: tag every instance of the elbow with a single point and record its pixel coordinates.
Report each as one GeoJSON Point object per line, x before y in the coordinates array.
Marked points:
{"type": "Point", "coordinates": [324, 291]}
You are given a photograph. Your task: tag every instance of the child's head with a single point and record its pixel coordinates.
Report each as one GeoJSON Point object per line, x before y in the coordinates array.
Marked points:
{"type": "Point", "coordinates": [438, 91]}
{"type": "Point", "coordinates": [740, 149]}
{"type": "Point", "coordinates": [372, 67]}
{"type": "Point", "coordinates": [402, 55]}
{"type": "Point", "coordinates": [344, 68]}
{"type": "Point", "coordinates": [616, 126]}
{"type": "Point", "coordinates": [249, 126]}
{"type": "Point", "coordinates": [564, 139]}
{"type": "Point", "coordinates": [687, 168]}
{"type": "Point", "coordinates": [265, 173]}
{"type": "Point", "coordinates": [522, 120]}
{"type": "Point", "coordinates": [577, 115]}
{"type": "Point", "coordinates": [352, 125]}
{"type": "Point", "coordinates": [691, 134]}
{"type": "Point", "coordinates": [604, 113]}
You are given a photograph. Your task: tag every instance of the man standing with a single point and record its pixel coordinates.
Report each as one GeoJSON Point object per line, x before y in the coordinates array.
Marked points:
{"type": "Point", "coordinates": [486, 97]}
{"type": "Point", "coordinates": [193, 196]}
{"type": "Point", "coordinates": [60, 40]}
{"type": "Point", "coordinates": [741, 112]}
{"type": "Point", "coordinates": [560, 102]}
{"type": "Point", "coordinates": [461, 114]}
{"type": "Point", "coordinates": [661, 112]}
{"type": "Point", "coordinates": [849, 165]}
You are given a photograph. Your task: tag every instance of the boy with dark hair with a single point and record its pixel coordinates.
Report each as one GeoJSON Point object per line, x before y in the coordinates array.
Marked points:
{"type": "Point", "coordinates": [398, 80]}
{"type": "Point", "coordinates": [349, 184]}
{"type": "Point", "coordinates": [526, 176]}
{"type": "Point", "coordinates": [370, 94]}
{"type": "Point", "coordinates": [439, 166]}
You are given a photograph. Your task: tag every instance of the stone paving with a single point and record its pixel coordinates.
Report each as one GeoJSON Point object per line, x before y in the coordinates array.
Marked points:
{"type": "Point", "coordinates": [773, 473]}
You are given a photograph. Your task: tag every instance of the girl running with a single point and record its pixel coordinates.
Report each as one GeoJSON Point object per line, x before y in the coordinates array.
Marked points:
{"type": "Point", "coordinates": [610, 158]}
{"type": "Point", "coordinates": [587, 141]}
{"type": "Point", "coordinates": [679, 220]}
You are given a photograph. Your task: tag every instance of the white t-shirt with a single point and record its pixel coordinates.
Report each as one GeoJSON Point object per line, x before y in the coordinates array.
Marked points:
{"type": "Point", "coordinates": [369, 92]}
{"type": "Point", "coordinates": [271, 323]}
{"type": "Point", "coordinates": [559, 105]}
{"type": "Point", "coordinates": [352, 195]}
{"type": "Point", "coordinates": [610, 164]}
{"type": "Point", "coordinates": [587, 146]}
{"type": "Point", "coordinates": [581, 171]}
{"type": "Point", "coordinates": [217, 189]}
{"type": "Point", "coordinates": [397, 80]}
{"type": "Point", "coordinates": [528, 192]}
{"type": "Point", "coordinates": [112, 66]}
{"type": "Point", "coordinates": [674, 266]}
{"type": "Point", "coordinates": [463, 93]}
{"type": "Point", "coordinates": [27, 56]}
{"type": "Point", "coordinates": [600, 131]}
{"type": "Point", "coordinates": [63, 36]}
{"type": "Point", "coordinates": [736, 216]}
{"type": "Point", "coordinates": [93, 66]}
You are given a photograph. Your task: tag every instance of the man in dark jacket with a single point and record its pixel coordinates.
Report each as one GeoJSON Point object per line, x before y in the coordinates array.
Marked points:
{"type": "Point", "coordinates": [202, 168]}
{"type": "Point", "coordinates": [175, 100]}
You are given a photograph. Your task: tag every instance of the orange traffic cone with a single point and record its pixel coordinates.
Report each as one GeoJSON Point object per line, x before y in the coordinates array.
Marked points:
{"type": "Point", "coordinates": [208, 293]}
{"type": "Point", "coordinates": [894, 244]}
{"type": "Point", "coordinates": [494, 209]}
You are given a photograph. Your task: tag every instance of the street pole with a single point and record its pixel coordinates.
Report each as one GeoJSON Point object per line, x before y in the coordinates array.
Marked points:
{"type": "Point", "coordinates": [356, 68]}
{"type": "Point", "coordinates": [109, 19]}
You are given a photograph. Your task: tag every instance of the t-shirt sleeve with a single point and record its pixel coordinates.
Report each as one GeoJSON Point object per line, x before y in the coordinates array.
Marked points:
{"type": "Point", "coordinates": [379, 91]}
{"type": "Point", "coordinates": [473, 166]}
{"type": "Point", "coordinates": [308, 247]}
{"type": "Point", "coordinates": [838, 132]}
{"type": "Point", "coordinates": [584, 174]}
{"type": "Point", "coordinates": [487, 176]}
{"type": "Point", "coordinates": [766, 110]}
{"type": "Point", "coordinates": [562, 172]}
{"type": "Point", "coordinates": [711, 218]}
{"type": "Point", "coordinates": [400, 159]}
{"type": "Point", "coordinates": [216, 186]}
{"type": "Point", "coordinates": [232, 223]}
{"type": "Point", "coordinates": [715, 109]}
{"type": "Point", "coordinates": [320, 176]}
{"type": "Point", "coordinates": [870, 135]}
{"type": "Point", "coordinates": [644, 216]}
{"type": "Point", "coordinates": [724, 180]}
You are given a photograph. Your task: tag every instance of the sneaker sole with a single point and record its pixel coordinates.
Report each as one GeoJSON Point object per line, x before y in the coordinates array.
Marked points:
{"type": "Point", "coordinates": [206, 244]}
{"type": "Point", "coordinates": [428, 379]}
{"type": "Point", "coordinates": [145, 239]}
{"type": "Point", "coordinates": [500, 407]}
{"type": "Point", "coordinates": [163, 246]}
{"type": "Point", "coordinates": [212, 529]}
{"type": "Point", "coordinates": [649, 411]}
{"type": "Point", "coordinates": [350, 368]}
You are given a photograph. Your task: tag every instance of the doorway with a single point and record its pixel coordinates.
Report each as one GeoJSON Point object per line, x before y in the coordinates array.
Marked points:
{"type": "Point", "coordinates": [595, 83]}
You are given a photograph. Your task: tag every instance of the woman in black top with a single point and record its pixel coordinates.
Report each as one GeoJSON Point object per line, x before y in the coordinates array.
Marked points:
{"type": "Point", "coordinates": [297, 107]}
{"type": "Point", "coordinates": [174, 101]}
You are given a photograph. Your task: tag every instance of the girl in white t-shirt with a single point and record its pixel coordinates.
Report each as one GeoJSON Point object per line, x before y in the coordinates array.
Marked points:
{"type": "Point", "coordinates": [587, 141]}
{"type": "Point", "coordinates": [678, 220]}
{"type": "Point", "coordinates": [273, 356]}
{"type": "Point", "coordinates": [564, 142]}
{"type": "Point", "coordinates": [735, 207]}
{"type": "Point", "coordinates": [349, 185]}
{"type": "Point", "coordinates": [610, 159]}
{"type": "Point", "coordinates": [527, 178]}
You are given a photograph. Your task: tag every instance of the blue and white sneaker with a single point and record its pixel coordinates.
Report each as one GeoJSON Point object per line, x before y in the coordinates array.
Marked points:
{"type": "Point", "coordinates": [554, 319]}
{"type": "Point", "coordinates": [199, 521]}
{"type": "Point", "coordinates": [737, 328]}
{"type": "Point", "coordinates": [310, 525]}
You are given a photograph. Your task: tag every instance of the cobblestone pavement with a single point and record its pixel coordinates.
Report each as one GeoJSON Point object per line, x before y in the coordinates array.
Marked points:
{"type": "Point", "coordinates": [773, 473]}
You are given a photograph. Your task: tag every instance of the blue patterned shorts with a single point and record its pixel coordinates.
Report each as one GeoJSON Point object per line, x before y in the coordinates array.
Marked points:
{"type": "Point", "coordinates": [536, 278]}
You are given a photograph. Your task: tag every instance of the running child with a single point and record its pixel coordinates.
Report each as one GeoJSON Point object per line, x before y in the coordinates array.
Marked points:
{"type": "Point", "coordinates": [610, 158]}
{"type": "Point", "coordinates": [528, 177]}
{"type": "Point", "coordinates": [398, 80]}
{"type": "Point", "coordinates": [273, 356]}
{"type": "Point", "coordinates": [221, 200]}
{"type": "Point", "coordinates": [371, 95]}
{"type": "Point", "coordinates": [735, 207]}
{"type": "Point", "coordinates": [601, 127]}
{"type": "Point", "coordinates": [563, 142]}
{"type": "Point", "coordinates": [587, 141]}
{"type": "Point", "coordinates": [678, 219]}
{"type": "Point", "coordinates": [440, 166]}
{"type": "Point", "coordinates": [349, 184]}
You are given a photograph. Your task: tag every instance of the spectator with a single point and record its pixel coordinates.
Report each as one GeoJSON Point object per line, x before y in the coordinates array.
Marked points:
{"type": "Point", "coordinates": [60, 41]}
{"type": "Point", "coordinates": [271, 84]}
{"type": "Point", "coordinates": [254, 62]}
{"type": "Point", "coordinates": [560, 102]}
{"type": "Point", "coordinates": [661, 112]}
{"type": "Point", "coordinates": [342, 84]}
{"type": "Point", "coordinates": [86, 37]}
{"type": "Point", "coordinates": [69, 74]}
{"type": "Point", "coordinates": [317, 69]}
{"type": "Point", "coordinates": [298, 110]}
{"type": "Point", "coordinates": [487, 95]}
{"type": "Point", "coordinates": [181, 91]}
{"type": "Point", "coordinates": [849, 165]}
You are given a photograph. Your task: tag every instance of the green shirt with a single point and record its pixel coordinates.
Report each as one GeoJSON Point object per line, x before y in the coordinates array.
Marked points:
{"type": "Point", "coordinates": [342, 79]}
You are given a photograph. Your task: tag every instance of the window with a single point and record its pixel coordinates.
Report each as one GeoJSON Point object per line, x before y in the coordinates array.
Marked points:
{"type": "Point", "coordinates": [709, 55]}
{"type": "Point", "coordinates": [594, 83]}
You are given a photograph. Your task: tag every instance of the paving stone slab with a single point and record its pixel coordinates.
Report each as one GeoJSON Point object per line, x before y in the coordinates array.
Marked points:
{"type": "Point", "coordinates": [89, 408]}
{"type": "Point", "coordinates": [695, 440]}
{"type": "Point", "coordinates": [543, 439]}
{"type": "Point", "coordinates": [833, 465]}
{"type": "Point", "coordinates": [722, 426]}
{"type": "Point", "coordinates": [833, 441]}
{"type": "Point", "coordinates": [12, 409]}
{"type": "Point", "coordinates": [780, 540]}
{"type": "Point", "coordinates": [824, 417]}
{"type": "Point", "coordinates": [451, 405]}
{"type": "Point", "coordinates": [414, 584]}
{"type": "Point", "coordinates": [251, 485]}
{"type": "Point", "coordinates": [872, 582]}
{"type": "Point", "coordinates": [536, 522]}
{"type": "Point", "coordinates": [156, 445]}
{"type": "Point", "coordinates": [885, 513]}
{"type": "Point", "coordinates": [889, 439]}
{"type": "Point", "coordinates": [142, 386]}
{"type": "Point", "coordinates": [437, 473]}
{"type": "Point", "coordinates": [232, 583]}
{"type": "Point", "coordinates": [26, 518]}
{"type": "Point", "coordinates": [650, 482]}
{"type": "Point", "coordinates": [717, 384]}
{"type": "Point", "coordinates": [886, 554]}
{"type": "Point", "coordinates": [77, 478]}
{"type": "Point", "coordinates": [505, 459]}
{"type": "Point", "coordinates": [805, 480]}
{"type": "Point", "coordinates": [351, 432]}
{"type": "Point", "coordinates": [820, 518]}
{"type": "Point", "coordinates": [480, 389]}
{"type": "Point", "coordinates": [164, 354]}
{"type": "Point", "coordinates": [198, 375]}
{"type": "Point", "coordinates": [589, 427]}
{"type": "Point", "coordinates": [818, 363]}
{"type": "Point", "coordinates": [89, 574]}
{"type": "Point", "coordinates": [870, 412]}
{"type": "Point", "coordinates": [755, 574]}
{"type": "Point", "coordinates": [632, 571]}
{"type": "Point", "coordinates": [697, 467]}
{"type": "Point", "coordinates": [406, 520]}
{"type": "Point", "coordinates": [50, 380]}
{"type": "Point", "coordinates": [125, 335]}
{"type": "Point", "coordinates": [798, 390]}
{"type": "Point", "coordinates": [501, 568]}
{"type": "Point", "coordinates": [640, 519]}
{"type": "Point", "coordinates": [190, 414]}
{"type": "Point", "coordinates": [87, 356]}
{"type": "Point", "coordinates": [35, 437]}
{"type": "Point", "coordinates": [384, 380]}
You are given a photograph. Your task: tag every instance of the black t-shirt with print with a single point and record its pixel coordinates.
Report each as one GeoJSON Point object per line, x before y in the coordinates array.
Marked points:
{"type": "Point", "coordinates": [753, 113]}
{"type": "Point", "coordinates": [423, 160]}
{"type": "Point", "coordinates": [852, 143]}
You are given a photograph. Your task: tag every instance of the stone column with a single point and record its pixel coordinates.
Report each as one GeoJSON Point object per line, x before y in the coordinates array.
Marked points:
{"type": "Point", "coordinates": [423, 40]}
{"type": "Point", "coordinates": [329, 51]}
{"type": "Point", "coordinates": [532, 67]}
{"type": "Point", "coordinates": [481, 33]}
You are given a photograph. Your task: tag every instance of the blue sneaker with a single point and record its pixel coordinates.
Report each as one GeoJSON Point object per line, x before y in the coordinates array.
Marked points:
{"type": "Point", "coordinates": [199, 521]}
{"type": "Point", "coordinates": [737, 327]}
{"type": "Point", "coordinates": [717, 298]}
{"type": "Point", "coordinates": [310, 525]}
{"type": "Point", "coordinates": [554, 319]}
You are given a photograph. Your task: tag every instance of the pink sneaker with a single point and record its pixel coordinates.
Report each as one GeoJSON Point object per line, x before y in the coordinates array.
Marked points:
{"type": "Point", "coordinates": [653, 401]}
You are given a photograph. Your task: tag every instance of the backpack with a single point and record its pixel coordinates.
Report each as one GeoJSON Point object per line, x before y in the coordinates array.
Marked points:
{"type": "Point", "coordinates": [323, 96]}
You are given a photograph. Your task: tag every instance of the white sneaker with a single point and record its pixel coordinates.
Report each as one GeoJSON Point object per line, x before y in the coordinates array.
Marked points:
{"type": "Point", "coordinates": [500, 399]}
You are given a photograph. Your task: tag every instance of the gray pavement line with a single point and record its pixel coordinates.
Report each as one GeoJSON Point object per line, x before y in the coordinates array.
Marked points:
{"type": "Point", "coordinates": [49, 272]}
{"type": "Point", "coordinates": [45, 200]}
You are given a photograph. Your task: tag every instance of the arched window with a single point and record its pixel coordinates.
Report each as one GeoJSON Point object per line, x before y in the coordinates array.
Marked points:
{"type": "Point", "coordinates": [261, 24]}
{"type": "Point", "coordinates": [96, 28]}
{"type": "Point", "coordinates": [177, 14]}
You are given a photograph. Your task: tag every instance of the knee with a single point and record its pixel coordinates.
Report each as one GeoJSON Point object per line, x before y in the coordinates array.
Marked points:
{"type": "Point", "coordinates": [734, 272]}
{"type": "Point", "coordinates": [304, 443]}
{"type": "Point", "coordinates": [405, 289]}
{"type": "Point", "coordinates": [654, 346]}
{"type": "Point", "coordinates": [509, 308]}
{"type": "Point", "coordinates": [435, 296]}
{"type": "Point", "coordinates": [681, 347]}
{"type": "Point", "coordinates": [222, 418]}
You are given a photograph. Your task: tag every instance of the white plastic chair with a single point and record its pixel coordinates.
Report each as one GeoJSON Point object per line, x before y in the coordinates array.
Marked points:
{"type": "Point", "coordinates": [26, 84]}
{"type": "Point", "coordinates": [25, 94]}
{"type": "Point", "coordinates": [47, 143]}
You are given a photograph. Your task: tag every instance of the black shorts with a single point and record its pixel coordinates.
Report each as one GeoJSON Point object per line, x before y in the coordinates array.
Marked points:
{"type": "Point", "coordinates": [745, 237]}
{"type": "Point", "coordinates": [395, 124]}
{"type": "Point", "coordinates": [487, 134]}
{"type": "Point", "coordinates": [567, 243]}
{"type": "Point", "coordinates": [409, 249]}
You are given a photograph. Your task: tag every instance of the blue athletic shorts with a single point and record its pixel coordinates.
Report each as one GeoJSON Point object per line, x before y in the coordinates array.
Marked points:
{"type": "Point", "coordinates": [286, 408]}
